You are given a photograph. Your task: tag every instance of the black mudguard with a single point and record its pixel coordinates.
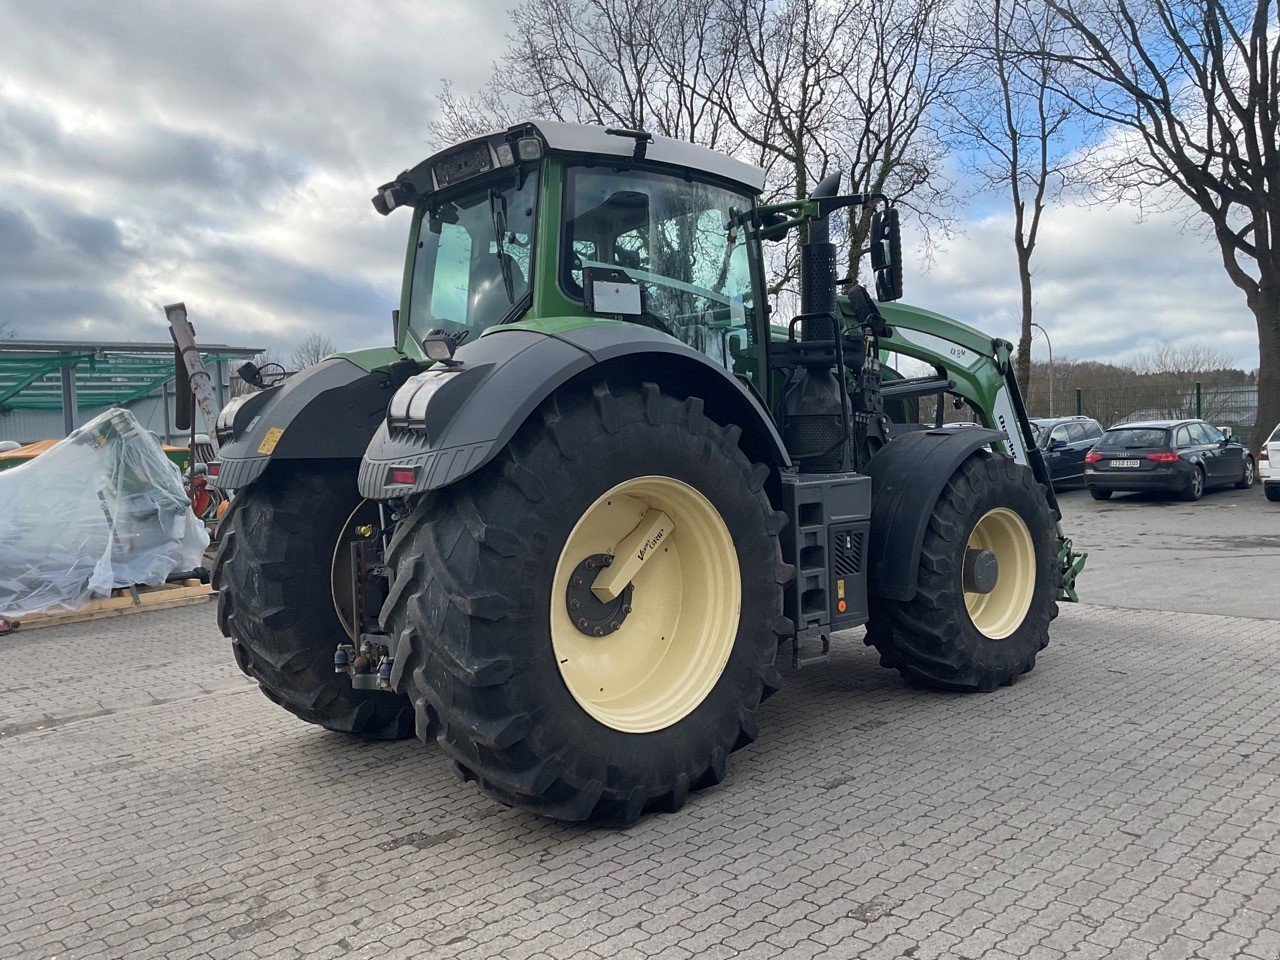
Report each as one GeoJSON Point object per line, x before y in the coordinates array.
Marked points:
{"type": "Point", "coordinates": [470, 411]}
{"type": "Point", "coordinates": [907, 477]}
{"type": "Point", "coordinates": [328, 411]}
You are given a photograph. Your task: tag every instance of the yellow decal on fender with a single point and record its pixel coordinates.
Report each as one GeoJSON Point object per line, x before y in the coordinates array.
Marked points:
{"type": "Point", "coordinates": [270, 439]}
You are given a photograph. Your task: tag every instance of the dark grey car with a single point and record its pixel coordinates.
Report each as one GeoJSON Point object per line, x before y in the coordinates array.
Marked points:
{"type": "Point", "coordinates": [1185, 457]}
{"type": "Point", "coordinates": [1063, 442]}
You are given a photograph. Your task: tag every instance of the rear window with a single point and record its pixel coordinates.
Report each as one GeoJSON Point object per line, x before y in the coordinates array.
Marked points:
{"type": "Point", "coordinates": [1134, 438]}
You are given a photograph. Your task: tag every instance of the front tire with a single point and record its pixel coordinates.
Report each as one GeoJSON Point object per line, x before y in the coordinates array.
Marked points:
{"type": "Point", "coordinates": [272, 572]}
{"type": "Point", "coordinates": [952, 639]}
{"type": "Point", "coordinates": [557, 718]}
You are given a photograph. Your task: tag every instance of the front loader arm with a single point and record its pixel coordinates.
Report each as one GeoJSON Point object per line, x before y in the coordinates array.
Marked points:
{"type": "Point", "coordinates": [980, 367]}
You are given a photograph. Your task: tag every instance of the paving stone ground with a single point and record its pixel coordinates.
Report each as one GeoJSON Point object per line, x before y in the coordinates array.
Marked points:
{"type": "Point", "coordinates": [1119, 802]}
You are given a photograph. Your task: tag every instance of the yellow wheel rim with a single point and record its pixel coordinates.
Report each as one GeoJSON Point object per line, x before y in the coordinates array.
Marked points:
{"type": "Point", "coordinates": [999, 613]}
{"type": "Point", "coordinates": [668, 653]}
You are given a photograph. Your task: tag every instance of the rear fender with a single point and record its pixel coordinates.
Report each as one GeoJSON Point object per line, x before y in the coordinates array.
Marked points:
{"type": "Point", "coordinates": [907, 477]}
{"type": "Point", "coordinates": [448, 422]}
{"type": "Point", "coordinates": [328, 411]}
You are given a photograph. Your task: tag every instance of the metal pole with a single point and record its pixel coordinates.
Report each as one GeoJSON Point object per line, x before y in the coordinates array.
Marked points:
{"type": "Point", "coordinates": [184, 335]}
{"type": "Point", "coordinates": [220, 368]}
{"type": "Point", "coordinates": [1079, 402]}
{"type": "Point", "coordinates": [1199, 407]}
{"type": "Point", "coordinates": [68, 375]}
{"type": "Point", "coordinates": [164, 402]}
{"type": "Point", "coordinates": [1050, 344]}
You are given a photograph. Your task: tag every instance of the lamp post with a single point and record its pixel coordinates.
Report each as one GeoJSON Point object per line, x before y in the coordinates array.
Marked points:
{"type": "Point", "coordinates": [1050, 344]}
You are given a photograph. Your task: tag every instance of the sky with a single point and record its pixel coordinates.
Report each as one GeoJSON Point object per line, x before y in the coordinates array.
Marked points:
{"type": "Point", "coordinates": [224, 153]}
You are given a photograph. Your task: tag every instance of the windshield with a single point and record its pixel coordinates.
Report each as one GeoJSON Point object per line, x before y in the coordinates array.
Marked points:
{"type": "Point", "coordinates": [1139, 438]}
{"type": "Point", "coordinates": [473, 256]}
{"type": "Point", "coordinates": [680, 240]}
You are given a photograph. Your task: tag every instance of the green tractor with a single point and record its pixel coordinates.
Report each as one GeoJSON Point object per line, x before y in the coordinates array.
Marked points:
{"type": "Point", "coordinates": [565, 526]}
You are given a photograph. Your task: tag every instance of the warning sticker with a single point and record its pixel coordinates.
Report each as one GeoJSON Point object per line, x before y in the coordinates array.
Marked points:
{"type": "Point", "coordinates": [270, 439]}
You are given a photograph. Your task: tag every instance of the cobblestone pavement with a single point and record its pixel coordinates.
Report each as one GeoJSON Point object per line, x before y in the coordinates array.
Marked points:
{"type": "Point", "coordinates": [1119, 802]}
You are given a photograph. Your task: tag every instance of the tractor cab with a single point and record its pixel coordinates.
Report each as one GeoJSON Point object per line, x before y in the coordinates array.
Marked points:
{"type": "Point", "coordinates": [568, 221]}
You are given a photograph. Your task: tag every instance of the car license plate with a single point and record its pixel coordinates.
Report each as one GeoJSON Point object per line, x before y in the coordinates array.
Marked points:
{"type": "Point", "coordinates": [1125, 463]}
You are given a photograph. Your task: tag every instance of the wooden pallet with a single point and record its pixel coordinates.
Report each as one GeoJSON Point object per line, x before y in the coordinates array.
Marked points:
{"type": "Point", "coordinates": [121, 603]}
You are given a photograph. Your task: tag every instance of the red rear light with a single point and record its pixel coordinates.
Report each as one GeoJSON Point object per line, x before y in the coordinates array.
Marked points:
{"type": "Point", "coordinates": [1092, 457]}
{"type": "Point", "coordinates": [402, 476]}
{"type": "Point", "coordinates": [1263, 454]}
{"type": "Point", "coordinates": [1162, 456]}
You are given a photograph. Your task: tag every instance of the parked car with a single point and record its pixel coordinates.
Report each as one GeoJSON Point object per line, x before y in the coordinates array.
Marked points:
{"type": "Point", "coordinates": [1269, 465]}
{"type": "Point", "coordinates": [1185, 457]}
{"type": "Point", "coordinates": [1064, 441]}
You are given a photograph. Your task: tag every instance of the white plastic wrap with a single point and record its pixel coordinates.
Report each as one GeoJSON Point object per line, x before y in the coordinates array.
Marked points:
{"type": "Point", "coordinates": [103, 508]}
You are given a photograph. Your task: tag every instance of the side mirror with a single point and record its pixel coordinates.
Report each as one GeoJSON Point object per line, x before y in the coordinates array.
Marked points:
{"type": "Point", "coordinates": [1056, 443]}
{"type": "Point", "coordinates": [886, 254]}
{"type": "Point", "coordinates": [610, 291]}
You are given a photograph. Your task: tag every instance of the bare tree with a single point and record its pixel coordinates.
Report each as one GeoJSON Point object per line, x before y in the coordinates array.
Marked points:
{"type": "Point", "coordinates": [1191, 89]}
{"type": "Point", "coordinates": [1012, 118]}
{"type": "Point", "coordinates": [621, 63]}
{"type": "Point", "coordinates": [890, 141]}
{"type": "Point", "coordinates": [312, 350]}
{"type": "Point", "coordinates": [1178, 361]}
{"type": "Point", "coordinates": [6, 331]}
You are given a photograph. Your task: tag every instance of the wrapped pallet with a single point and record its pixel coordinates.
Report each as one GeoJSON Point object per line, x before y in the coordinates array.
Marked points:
{"type": "Point", "coordinates": [101, 509]}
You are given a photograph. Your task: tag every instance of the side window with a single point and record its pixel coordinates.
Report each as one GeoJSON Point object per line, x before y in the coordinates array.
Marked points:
{"type": "Point", "coordinates": [1207, 433]}
{"type": "Point", "coordinates": [1182, 438]}
{"type": "Point", "coordinates": [683, 243]}
{"type": "Point", "coordinates": [1060, 434]}
{"type": "Point", "coordinates": [1075, 432]}
{"type": "Point", "coordinates": [1093, 430]}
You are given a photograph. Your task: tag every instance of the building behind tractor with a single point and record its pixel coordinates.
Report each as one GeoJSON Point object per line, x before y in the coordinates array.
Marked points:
{"type": "Point", "coordinates": [567, 524]}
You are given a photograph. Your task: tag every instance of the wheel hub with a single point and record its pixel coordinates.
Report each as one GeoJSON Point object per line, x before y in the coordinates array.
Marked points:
{"type": "Point", "coordinates": [589, 614]}
{"type": "Point", "coordinates": [981, 571]}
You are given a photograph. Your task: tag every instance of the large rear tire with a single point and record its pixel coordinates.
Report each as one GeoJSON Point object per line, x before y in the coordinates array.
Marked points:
{"type": "Point", "coordinates": [272, 572]}
{"type": "Point", "coordinates": [952, 639]}
{"type": "Point", "coordinates": [552, 700]}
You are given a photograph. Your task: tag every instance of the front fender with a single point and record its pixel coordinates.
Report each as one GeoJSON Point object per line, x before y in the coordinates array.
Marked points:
{"type": "Point", "coordinates": [448, 422]}
{"type": "Point", "coordinates": [907, 477]}
{"type": "Point", "coordinates": [327, 411]}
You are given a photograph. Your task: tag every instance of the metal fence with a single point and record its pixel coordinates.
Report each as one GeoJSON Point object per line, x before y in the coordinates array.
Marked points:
{"type": "Point", "coordinates": [1225, 404]}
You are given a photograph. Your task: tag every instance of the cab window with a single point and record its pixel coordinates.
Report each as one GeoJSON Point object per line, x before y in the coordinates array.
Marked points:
{"type": "Point", "coordinates": [1059, 434]}
{"type": "Point", "coordinates": [682, 243]}
{"type": "Point", "coordinates": [1182, 437]}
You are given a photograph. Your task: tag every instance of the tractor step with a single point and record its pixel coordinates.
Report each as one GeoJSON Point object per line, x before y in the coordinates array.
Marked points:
{"type": "Point", "coordinates": [803, 655]}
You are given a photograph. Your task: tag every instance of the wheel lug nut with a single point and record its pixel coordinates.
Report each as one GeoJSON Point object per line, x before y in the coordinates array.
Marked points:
{"type": "Point", "coordinates": [613, 625]}
{"type": "Point", "coordinates": [591, 564]}
{"type": "Point", "coordinates": [577, 581]}
{"type": "Point", "coordinates": [627, 608]}
{"type": "Point", "coordinates": [574, 604]}
{"type": "Point", "coordinates": [599, 631]}
{"type": "Point", "coordinates": [583, 623]}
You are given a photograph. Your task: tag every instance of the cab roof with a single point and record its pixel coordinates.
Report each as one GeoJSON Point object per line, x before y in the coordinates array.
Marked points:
{"type": "Point", "coordinates": [480, 155]}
